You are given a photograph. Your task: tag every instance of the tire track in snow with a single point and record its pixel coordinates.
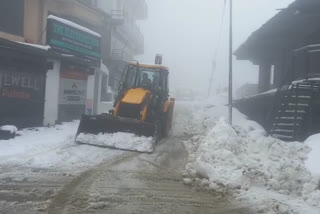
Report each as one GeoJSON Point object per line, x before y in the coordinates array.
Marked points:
{"type": "Point", "coordinates": [60, 202]}
{"type": "Point", "coordinates": [140, 183]}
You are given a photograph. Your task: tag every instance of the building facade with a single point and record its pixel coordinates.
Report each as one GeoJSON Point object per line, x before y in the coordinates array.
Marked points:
{"type": "Point", "coordinates": [57, 55]}
{"type": "Point", "coordinates": [126, 39]}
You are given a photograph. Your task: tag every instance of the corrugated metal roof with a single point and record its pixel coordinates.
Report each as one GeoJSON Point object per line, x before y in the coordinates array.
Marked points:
{"type": "Point", "coordinates": [291, 28]}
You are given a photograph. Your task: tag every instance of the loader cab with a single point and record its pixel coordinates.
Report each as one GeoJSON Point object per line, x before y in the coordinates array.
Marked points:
{"type": "Point", "coordinates": [150, 77]}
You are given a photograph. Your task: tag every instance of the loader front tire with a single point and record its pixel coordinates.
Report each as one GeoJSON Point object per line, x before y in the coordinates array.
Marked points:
{"type": "Point", "coordinates": [167, 123]}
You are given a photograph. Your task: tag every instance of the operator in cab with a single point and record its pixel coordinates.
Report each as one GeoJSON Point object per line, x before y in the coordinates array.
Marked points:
{"type": "Point", "coordinates": [146, 82]}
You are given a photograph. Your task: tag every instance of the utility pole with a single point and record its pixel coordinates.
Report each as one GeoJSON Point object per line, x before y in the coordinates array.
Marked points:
{"type": "Point", "coordinates": [230, 64]}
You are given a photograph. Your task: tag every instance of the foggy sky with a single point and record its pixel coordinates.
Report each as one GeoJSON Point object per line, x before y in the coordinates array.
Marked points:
{"type": "Point", "coordinates": [186, 31]}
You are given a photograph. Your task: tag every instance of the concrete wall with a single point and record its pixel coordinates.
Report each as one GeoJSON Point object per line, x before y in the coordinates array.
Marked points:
{"type": "Point", "coordinates": [52, 94]}
{"type": "Point", "coordinates": [94, 92]}
{"type": "Point", "coordinates": [33, 21]}
{"type": "Point", "coordinates": [11, 37]}
{"type": "Point", "coordinates": [103, 107]}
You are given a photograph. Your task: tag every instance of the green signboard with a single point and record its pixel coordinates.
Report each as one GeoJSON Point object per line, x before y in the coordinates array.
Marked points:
{"type": "Point", "coordinates": [70, 38]}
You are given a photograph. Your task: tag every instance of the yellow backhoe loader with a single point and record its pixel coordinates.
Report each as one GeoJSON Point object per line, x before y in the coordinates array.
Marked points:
{"type": "Point", "coordinates": [142, 107]}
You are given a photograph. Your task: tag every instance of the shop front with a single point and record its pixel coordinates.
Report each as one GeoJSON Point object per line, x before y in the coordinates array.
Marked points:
{"type": "Point", "coordinates": [22, 85]}
{"type": "Point", "coordinates": [72, 91]}
{"type": "Point", "coordinates": [77, 56]}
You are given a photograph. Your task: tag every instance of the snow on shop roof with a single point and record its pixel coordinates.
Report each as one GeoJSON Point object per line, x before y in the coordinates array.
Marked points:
{"type": "Point", "coordinates": [74, 25]}
{"type": "Point", "coordinates": [43, 47]}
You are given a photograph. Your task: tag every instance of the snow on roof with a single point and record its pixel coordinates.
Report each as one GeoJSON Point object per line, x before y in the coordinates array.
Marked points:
{"type": "Point", "coordinates": [43, 47]}
{"type": "Point", "coordinates": [9, 128]}
{"type": "Point", "coordinates": [74, 25]}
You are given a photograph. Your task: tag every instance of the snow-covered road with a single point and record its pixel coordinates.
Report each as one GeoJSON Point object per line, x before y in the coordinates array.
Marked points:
{"type": "Point", "coordinates": [140, 183]}
{"type": "Point", "coordinates": [37, 164]}
{"type": "Point", "coordinates": [205, 166]}
{"type": "Point", "coordinates": [51, 148]}
{"type": "Point", "coordinates": [125, 182]}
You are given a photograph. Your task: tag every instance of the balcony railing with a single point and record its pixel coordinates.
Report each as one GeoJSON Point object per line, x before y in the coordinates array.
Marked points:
{"type": "Point", "coordinates": [117, 17]}
{"type": "Point", "coordinates": [132, 34]}
{"type": "Point", "coordinates": [141, 9]}
{"type": "Point", "coordinates": [117, 54]}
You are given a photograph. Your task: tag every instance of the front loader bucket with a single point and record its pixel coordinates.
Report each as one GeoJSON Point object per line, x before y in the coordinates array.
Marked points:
{"type": "Point", "coordinates": [108, 124]}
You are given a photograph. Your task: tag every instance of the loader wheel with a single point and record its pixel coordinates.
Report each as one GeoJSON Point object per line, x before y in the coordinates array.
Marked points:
{"type": "Point", "coordinates": [167, 123]}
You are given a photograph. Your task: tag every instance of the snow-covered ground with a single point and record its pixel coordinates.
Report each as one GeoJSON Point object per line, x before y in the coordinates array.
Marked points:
{"type": "Point", "coordinates": [52, 147]}
{"type": "Point", "coordinates": [314, 156]}
{"type": "Point", "coordinates": [268, 174]}
{"type": "Point", "coordinates": [271, 175]}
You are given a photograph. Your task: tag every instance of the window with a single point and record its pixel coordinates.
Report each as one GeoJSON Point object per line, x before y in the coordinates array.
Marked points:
{"type": "Point", "coordinates": [130, 77]}
{"type": "Point", "coordinates": [12, 17]}
{"type": "Point", "coordinates": [149, 79]}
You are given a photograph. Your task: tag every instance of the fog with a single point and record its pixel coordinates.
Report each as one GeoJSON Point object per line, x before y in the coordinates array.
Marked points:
{"type": "Point", "coordinates": [186, 33]}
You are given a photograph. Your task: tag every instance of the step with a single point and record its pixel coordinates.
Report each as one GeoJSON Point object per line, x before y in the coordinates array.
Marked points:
{"type": "Point", "coordinates": [282, 137]}
{"type": "Point", "coordinates": [294, 100]}
{"type": "Point", "coordinates": [296, 104]}
{"type": "Point", "coordinates": [306, 85]}
{"type": "Point", "coordinates": [281, 115]}
{"type": "Point", "coordinates": [288, 119]}
{"type": "Point", "coordinates": [307, 97]}
{"type": "Point", "coordinates": [285, 124]}
{"type": "Point", "coordinates": [293, 108]}
{"type": "Point", "coordinates": [283, 131]}
{"type": "Point", "coordinates": [304, 89]}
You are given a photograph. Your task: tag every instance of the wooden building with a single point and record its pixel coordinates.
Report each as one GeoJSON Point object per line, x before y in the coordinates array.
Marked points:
{"type": "Point", "coordinates": [287, 49]}
{"type": "Point", "coordinates": [272, 46]}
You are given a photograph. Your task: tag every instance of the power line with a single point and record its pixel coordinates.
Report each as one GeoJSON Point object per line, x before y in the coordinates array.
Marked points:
{"type": "Point", "coordinates": [217, 47]}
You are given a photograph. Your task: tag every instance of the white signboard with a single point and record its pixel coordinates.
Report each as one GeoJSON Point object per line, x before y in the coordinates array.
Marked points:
{"type": "Point", "coordinates": [72, 92]}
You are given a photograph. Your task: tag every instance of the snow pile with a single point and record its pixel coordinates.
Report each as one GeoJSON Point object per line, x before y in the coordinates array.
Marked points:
{"type": "Point", "coordinates": [198, 117]}
{"type": "Point", "coordinates": [52, 147]}
{"type": "Point", "coordinates": [120, 140]}
{"type": "Point", "coordinates": [8, 128]}
{"type": "Point", "coordinates": [234, 160]}
{"type": "Point", "coordinates": [240, 158]}
{"type": "Point", "coordinates": [314, 156]}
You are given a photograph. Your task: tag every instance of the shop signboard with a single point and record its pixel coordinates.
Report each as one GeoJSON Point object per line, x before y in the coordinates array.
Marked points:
{"type": "Point", "coordinates": [21, 85]}
{"type": "Point", "coordinates": [73, 88]}
{"type": "Point", "coordinates": [69, 38]}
